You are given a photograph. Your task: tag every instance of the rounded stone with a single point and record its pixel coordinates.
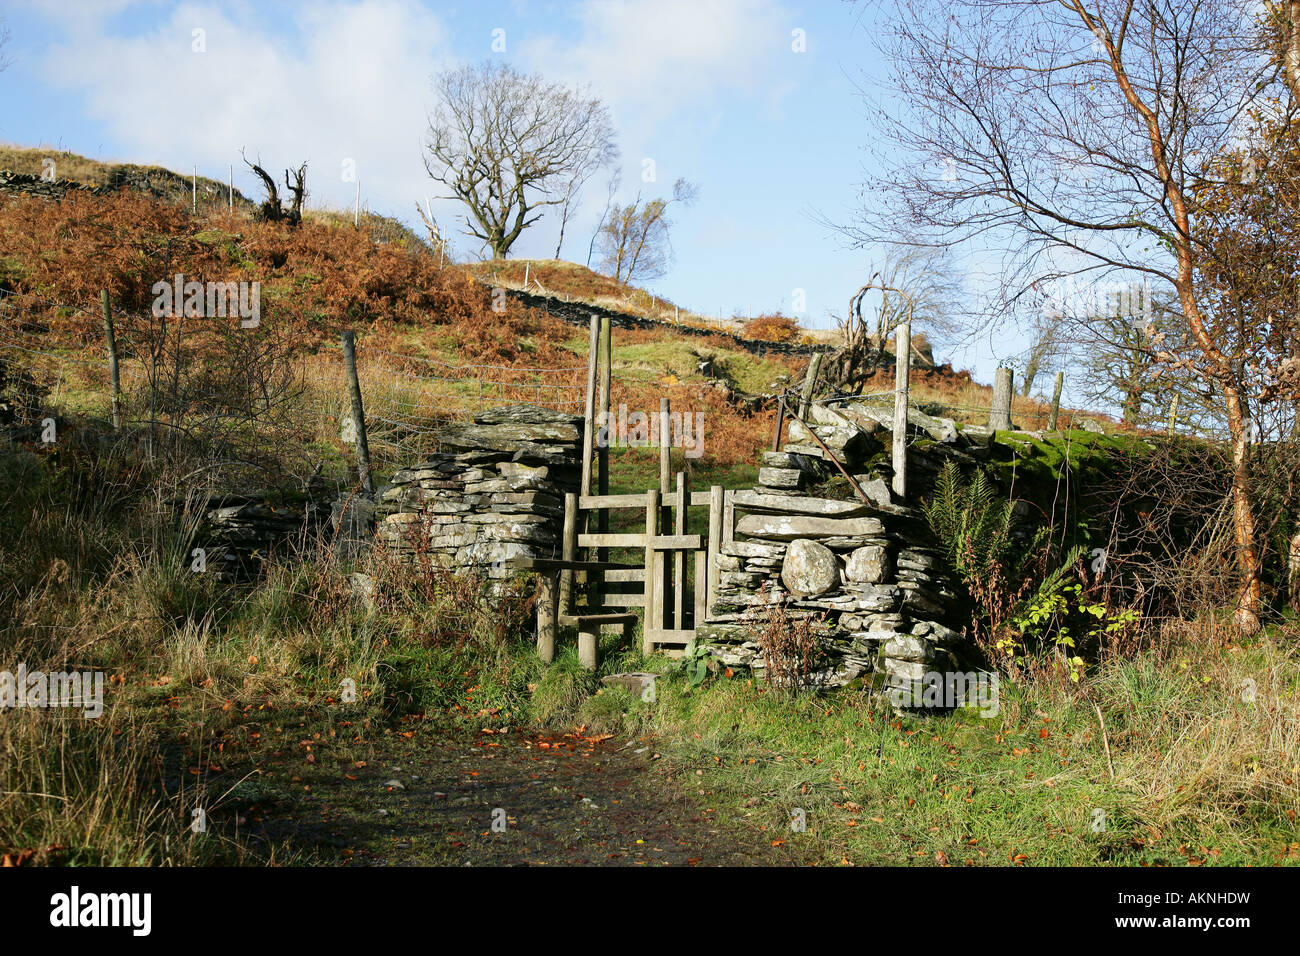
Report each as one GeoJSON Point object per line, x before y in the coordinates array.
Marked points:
{"type": "Point", "coordinates": [869, 565]}
{"type": "Point", "coordinates": [809, 568]}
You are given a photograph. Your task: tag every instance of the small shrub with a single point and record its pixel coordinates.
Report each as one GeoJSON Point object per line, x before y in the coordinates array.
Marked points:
{"type": "Point", "coordinates": [772, 328]}
{"type": "Point", "coordinates": [792, 650]}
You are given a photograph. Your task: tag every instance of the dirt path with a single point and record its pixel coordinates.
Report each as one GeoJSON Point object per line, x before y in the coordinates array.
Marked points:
{"type": "Point", "coordinates": [491, 799]}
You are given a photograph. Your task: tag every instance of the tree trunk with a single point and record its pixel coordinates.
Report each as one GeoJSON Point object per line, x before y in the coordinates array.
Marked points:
{"type": "Point", "coordinates": [1292, 60]}
{"type": "Point", "coordinates": [1250, 596]}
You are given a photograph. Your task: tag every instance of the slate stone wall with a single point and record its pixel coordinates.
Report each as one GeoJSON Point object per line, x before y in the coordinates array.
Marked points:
{"type": "Point", "coordinates": [494, 491]}
{"type": "Point", "coordinates": [867, 574]}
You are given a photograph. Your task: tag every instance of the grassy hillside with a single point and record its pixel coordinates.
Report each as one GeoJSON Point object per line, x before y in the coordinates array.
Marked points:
{"type": "Point", "coordinates": [384, 279]}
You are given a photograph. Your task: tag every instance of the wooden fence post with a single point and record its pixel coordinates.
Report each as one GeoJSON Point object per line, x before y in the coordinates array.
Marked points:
{"type": "Point", "coordinates": [654, 585]}
{"type": "Point", "coordinates": [701, 593]}
{"type": "Point", "coordinates": [602, 395]}
{"type": "Point", "coordinates": [358, 412]}
{"type": "Point", "coordinates": [809, 382]}
{"type": "Point", "coordinates": [546, 617]}
{"type": "Point", "coordinates": [679, 557]}
{"type": "Point", "coordinates": [589, 406]}
{"type": "Point", "coordinates": [715, 546]}
{"type": "Point", "coordinates": [780, 425]}
{"type": "Point", "coordinates": [569, 551]}
{"type": "Point", "coordinates": [596, 582]}
{"type": "Point", "coordinates": [114, 380]}
{"type": "Point", "coordinates": [1000, 413]}
{"type": "Point", "coordinates": [1056, 401]}
{"type": "Point", "coordinates": [665, 454]}
{"type": "Point", "coordinates": [902, 384]}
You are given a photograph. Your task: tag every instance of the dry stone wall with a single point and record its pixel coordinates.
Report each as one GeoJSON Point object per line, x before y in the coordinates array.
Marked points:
{"type": "Point", "coordinates": [866, 575]}
{"type": "Point", "coordinates": [34, 185]}
{"type": "Point", "coordinates": [494, 491]}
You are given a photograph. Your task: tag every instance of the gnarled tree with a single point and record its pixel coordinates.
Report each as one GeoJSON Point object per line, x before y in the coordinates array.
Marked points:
{"type": "Point", "coordinates": [272, 209]}
{"type": "Point", "coordinates": [507, 145]}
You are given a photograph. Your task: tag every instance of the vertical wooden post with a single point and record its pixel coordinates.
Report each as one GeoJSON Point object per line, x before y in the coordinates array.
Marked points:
{"type": "Point", "coordinates": [1056, 401]}
{"type": "Point", "coordinates": [1000, 413]}
{"type": "Point", "coordinates": [653, 584]}
{"type": "Point", "coordinates": [569, 551]}
{"type": "Point", "coordinates": [902, 383]}
{"type": "Point", "coordinates": [114, 379]}
{"type": "Point", "coordinates": [589, 427]}
{"type": "Point", "coordinates": [1173, 415]}
{"type": "Point", "coordinates": [546, 618]}
{"type": "Point", "coordinates": [809, 382]}
{"type": "Point", "coordinates": [230, 194]}
{"type": "Point", "coordinates": [665, 456]}
{"type": "Point", "coordinates": [589, 408]}
{"type": "Point", "coordinates": [665, 451]}
{"type": "Point", "coordinates": [605, 373]}
{"type": "Point", "coordinates": [701, 589]}
{"type": "Point", "coordinates": [780, 425]}
{"type": "Point", "coordinates": [589, 646]}
{"type": "Point", "coordinates": [679, 557]}
{"type": "Point", "coordinates": [194, 192]}
{"type": "Point", "coordinates": [358, 412]}
{"type": "Point", "coordinates": [715, 546]}
{"type": "Point", "coordinates": [602, 396]}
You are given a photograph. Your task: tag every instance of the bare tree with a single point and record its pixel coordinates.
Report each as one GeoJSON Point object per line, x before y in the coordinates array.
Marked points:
{"type": "Point", "coordinates": [912, 281]}
{"type": "Point", "coordinates": [1074, 138]}
{"type": "Point", "coordinates": [1042, 352]}
{"type": "Point", "coordinates": [508, 145]}
{"type": "Point", "coordinates": [611, 189]}
{"type": "Point", "coordinates": [930, 286]}
{"type": "Point", "coordinates": [572, 190]}
{"type": "Point", "coordinates": [436, 240]}
{"type": "Point", "coordinates": [634, 241]}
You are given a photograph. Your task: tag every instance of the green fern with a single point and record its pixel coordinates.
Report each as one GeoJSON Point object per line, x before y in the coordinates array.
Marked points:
{"type": "Point", "coordinates": [973, 524]}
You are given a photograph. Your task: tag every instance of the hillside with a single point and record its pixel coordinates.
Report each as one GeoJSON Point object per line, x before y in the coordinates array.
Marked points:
{"type": "Point", "coordinates": [432, 319]}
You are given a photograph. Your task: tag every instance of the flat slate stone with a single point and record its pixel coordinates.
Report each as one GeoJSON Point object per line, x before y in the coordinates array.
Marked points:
{"type": "Point", "coordinates": [526, 415]}
{"type": "Point", "coordinates": [800, 505]}
{"type": "Point", "coordinates": [787, 527]}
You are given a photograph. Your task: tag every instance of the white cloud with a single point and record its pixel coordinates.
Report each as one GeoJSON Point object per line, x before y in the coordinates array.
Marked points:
{"type": "Point", "coordinates": [653, 58]}
{"type": "Point", "coordinates": [333, 80]}
{"type": "Point", "coordinates": [337, 80]}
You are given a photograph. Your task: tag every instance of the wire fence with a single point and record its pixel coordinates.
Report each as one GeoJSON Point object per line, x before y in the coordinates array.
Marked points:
{"type": "Point", "coordinates": [54, 360]}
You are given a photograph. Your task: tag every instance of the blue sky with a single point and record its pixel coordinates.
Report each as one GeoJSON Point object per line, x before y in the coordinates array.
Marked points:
{"type": "Point", "coordinates": [710, 90]}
